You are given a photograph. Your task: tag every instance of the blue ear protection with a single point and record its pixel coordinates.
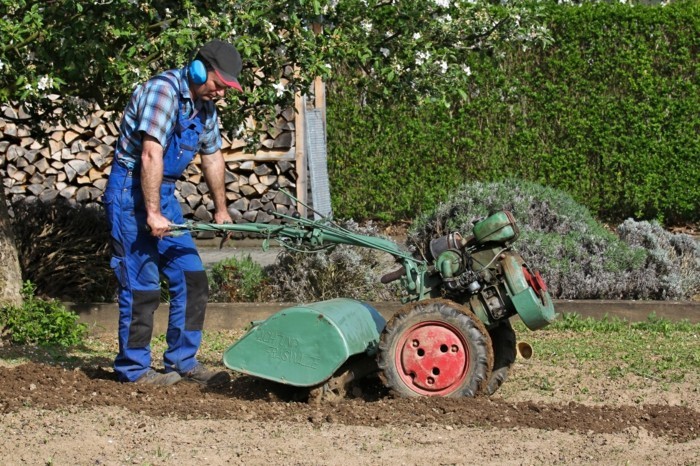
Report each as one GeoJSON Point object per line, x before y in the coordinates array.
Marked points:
{"type": "Point", "coordinates": [197, 71]}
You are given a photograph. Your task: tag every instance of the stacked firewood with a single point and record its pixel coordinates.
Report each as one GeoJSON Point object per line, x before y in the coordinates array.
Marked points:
{"type": "Point", "coordinates": [252, 191]}
{"type": "Point", "coordinates": [72, 161]}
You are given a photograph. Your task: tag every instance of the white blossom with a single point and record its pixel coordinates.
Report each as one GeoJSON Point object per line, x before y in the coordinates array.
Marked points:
{"type": "Point", "coordinates": [384, 51]}
{"type": "Point", "coordinates": [443, 66]}
{"type": "Point", "coordinates": [416, 35]}
{"type": "Point", "coordinates": [279, 88]}
{"type": "Point", "coordinates": [422, 57]}
{"type": "Point", "coordinates": [329, 7]}
{"type": "Point", "coordinates": [2, 65]}
{"type": "Point", "coordinates": [45, 82]}
{"type": "Point", "coordinates": [442, 3]}
{"type": "Point", "coordinates": [467, 70]}
{"type": "Point", "coordinates": [366, 25]}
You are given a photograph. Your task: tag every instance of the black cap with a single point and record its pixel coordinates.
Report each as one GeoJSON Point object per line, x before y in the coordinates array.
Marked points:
{"type": "Point", "coordinates": [225, 60]}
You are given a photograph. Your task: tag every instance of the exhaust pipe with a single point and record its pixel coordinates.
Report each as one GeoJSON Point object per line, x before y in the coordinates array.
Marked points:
{"type": "Point", "coordinates": [524, 350]}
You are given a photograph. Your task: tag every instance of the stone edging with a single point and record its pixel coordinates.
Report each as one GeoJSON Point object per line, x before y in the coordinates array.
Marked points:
{"type": "Point", "coordinates": [102, 317]}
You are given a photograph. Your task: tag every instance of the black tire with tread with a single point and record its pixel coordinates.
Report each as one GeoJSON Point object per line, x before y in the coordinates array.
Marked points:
{"type": "Point", "coordinates": [504, 352]}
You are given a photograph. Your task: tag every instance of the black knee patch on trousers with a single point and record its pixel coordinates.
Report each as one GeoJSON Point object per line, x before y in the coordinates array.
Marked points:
{"type": "Point", "coordinates": [144, 305]}
{"type": "Point", "coordinates": [197, 296]}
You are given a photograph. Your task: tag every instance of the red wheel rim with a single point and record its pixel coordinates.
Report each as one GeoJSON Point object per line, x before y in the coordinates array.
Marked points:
{"type": "Point", "coordinates": [432, 358]}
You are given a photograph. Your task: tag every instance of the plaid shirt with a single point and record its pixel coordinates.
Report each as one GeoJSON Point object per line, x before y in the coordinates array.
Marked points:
{"type": "Point", "coordinates": [153, 110]}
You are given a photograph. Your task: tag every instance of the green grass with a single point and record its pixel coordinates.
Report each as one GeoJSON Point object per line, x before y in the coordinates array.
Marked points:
{"type": "Point", "coordinates": [92, 352]}
{"type": "Point", "coordinates": [100, 351]}
{"type": "Point", "coordinates": [656, 349]}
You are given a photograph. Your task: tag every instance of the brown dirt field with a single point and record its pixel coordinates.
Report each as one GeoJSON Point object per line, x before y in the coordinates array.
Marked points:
{"type": "Point", "coordinates": [78, 413]}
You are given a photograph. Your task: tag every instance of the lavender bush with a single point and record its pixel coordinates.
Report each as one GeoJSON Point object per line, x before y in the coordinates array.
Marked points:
{"type": "Point", "coordinates": [579, 257]}
{"type": "Point", "coordinates": [339, 271]}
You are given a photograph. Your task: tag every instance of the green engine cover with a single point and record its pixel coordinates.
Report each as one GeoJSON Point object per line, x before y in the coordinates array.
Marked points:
{"type": "Point", "coordinates": [536, 311]}
{"type": "Point", "coordinates": [304, 345]}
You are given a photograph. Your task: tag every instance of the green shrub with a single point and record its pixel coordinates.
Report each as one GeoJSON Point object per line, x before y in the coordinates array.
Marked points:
{"type": "Point", "coordinates": [238, 280]}
{"type": "Point", "coordinates": [41, 322]}
{"type": "Point", "coordinates": [579, 258]}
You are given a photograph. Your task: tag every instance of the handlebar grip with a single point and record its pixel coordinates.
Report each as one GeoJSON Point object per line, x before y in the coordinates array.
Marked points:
{"type": "Point", "coordinates": [392, 276]}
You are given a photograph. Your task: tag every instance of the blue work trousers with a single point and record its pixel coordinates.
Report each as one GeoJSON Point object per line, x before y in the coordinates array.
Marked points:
{"type": "Point", "coordinates": [139, 260]}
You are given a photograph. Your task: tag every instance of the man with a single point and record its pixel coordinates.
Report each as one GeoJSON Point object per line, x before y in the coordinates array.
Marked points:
{"type": "Point", "coordinates": [169, 119]}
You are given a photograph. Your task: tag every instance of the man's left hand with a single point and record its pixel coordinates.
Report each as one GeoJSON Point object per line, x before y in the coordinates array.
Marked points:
{"type": "Point", "coordinates": [222, 217]}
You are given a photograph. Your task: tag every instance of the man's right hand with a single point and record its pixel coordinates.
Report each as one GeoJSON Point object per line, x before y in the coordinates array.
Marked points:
{"type": "Point", "coordinates": [158, 225]}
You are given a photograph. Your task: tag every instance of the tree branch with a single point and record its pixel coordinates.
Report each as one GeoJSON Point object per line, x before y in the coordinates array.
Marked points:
{"type": "Point", "coordinates": [30, 38]}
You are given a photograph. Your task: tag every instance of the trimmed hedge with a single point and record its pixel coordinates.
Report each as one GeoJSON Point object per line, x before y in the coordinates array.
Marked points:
{"type": "Point", "coordinates": [608, 113]}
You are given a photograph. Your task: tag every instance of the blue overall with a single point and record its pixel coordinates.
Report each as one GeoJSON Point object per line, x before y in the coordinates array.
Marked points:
{"type": "Point", "coordinates": [139, 259]}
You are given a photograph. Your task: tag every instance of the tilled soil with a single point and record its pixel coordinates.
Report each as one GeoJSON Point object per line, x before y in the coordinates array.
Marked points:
{"type": "Point", "coordinates": [251, 421]}
{"type": "Point", "coordinates": [52, 388]}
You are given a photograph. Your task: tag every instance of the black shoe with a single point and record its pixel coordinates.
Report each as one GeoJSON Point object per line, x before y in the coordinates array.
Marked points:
{"type": "Point", "coordinates": [152, 377]}
{"type": "Point", "coordinates": [203, 376]}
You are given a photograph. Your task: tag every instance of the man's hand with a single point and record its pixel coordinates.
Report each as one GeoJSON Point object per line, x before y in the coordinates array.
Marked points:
{"type": "Point", "coordinates": [222, 217]}
{"type": "Point", "coordinates": [158, 225]}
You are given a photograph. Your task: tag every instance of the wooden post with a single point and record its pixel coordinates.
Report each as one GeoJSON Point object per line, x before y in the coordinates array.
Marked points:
{"type": "Point", "coordinates": [300, 128]}
{"type": "Point", "coordinates": [300, 153]}
{"type": "Point", "coordinates": [320, 97]}
{"type": "Point", "coordinates": [319, 85]}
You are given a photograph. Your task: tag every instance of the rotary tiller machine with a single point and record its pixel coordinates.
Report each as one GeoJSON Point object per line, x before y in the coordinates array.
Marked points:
{"type": "Point", "coordinates": [452, 337]}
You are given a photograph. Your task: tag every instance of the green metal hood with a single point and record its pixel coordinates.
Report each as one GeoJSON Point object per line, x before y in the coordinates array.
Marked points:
{"type": "Point", "coordinates": [304, 345]}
